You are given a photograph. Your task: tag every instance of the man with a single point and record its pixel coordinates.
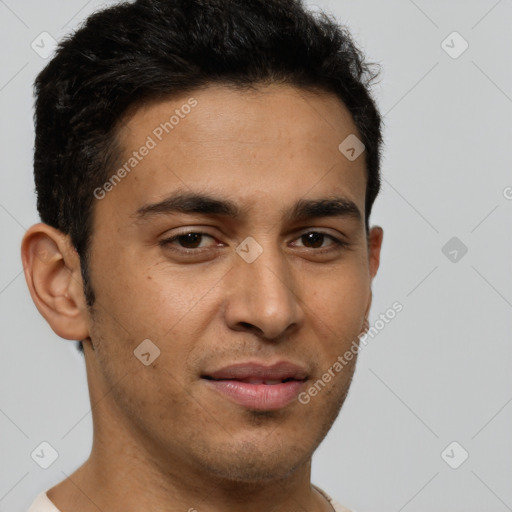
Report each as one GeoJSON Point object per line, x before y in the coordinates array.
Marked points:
{"type": "Point", "coordinates": [205, 172]}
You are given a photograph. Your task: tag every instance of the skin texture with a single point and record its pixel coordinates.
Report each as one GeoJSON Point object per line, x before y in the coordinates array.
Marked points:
{"type": "Point", "coordinates": [163, 439]}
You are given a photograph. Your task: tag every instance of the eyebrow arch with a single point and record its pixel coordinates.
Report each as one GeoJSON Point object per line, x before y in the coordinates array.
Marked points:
{"type": "Point", "coordinates": [196, 202]}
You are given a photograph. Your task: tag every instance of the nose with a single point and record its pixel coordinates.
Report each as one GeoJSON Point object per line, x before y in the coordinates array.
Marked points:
{"type": "Point", "coordinates": [263, 296]}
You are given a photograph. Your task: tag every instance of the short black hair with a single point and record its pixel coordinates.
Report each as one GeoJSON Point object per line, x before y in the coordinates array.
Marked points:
{"type": "Point", "coordinates": [133, 53]}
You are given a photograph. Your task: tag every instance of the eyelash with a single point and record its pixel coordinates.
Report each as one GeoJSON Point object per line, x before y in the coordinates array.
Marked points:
{"type": "Point", "coordinates": [167, 243]}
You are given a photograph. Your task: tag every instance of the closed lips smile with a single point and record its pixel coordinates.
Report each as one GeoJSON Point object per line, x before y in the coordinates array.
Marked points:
{"type": "Point", "coordinates": [256, 386]}
{"type": "Point", "coordinates": [255, 380]}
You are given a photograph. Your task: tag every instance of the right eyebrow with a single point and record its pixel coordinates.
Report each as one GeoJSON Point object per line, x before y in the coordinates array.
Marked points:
{"type": "Point", "coordinates": [190, 202]}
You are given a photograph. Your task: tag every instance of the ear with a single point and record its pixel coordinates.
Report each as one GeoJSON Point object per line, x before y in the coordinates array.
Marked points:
{"type": "Point", "coordinates": [52, 271]}
{"type": "Point", "coordinates": [375, 238]}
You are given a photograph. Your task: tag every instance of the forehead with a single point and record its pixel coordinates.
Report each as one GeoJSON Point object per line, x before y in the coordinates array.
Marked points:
{"type": "Point", "coordinates": [258, 147]}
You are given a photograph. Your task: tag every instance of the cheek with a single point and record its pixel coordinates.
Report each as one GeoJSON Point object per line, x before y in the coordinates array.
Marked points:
{"type": "Point", "coordinates": [135, 297]}
{"type": "Point", "coordinates": [336, 319]}
{"type": "Point", "coordinates": [170, 307]}
{"type": "Point", "coordinates": [341, 298]}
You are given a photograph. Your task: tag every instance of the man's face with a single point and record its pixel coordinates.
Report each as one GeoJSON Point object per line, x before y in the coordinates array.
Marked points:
{"type": "Point", "coordinates": [289, 294]}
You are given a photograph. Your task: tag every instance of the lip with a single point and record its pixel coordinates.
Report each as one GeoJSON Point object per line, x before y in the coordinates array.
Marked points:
{"type": "Point", "coordinates": [258, 386]}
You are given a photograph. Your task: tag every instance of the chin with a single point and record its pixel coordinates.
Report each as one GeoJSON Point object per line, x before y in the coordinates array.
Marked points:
{"type": "Point", "coordinates": [250, 463]}
{"type": "Point", "coordinates": [264, 446]}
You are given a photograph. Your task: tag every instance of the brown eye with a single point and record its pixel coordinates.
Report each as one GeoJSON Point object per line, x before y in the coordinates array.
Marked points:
{"type": "Point", "coordinates": [315, 240]}
{"type": "Point", "coordinates": [187, 241]}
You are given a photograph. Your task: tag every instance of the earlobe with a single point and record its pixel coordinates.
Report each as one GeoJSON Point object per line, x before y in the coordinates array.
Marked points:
{"type": "Point", "coordinates": [52, 272]}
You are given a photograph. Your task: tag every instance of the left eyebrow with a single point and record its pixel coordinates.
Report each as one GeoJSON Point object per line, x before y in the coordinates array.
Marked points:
{"type": "Point", "coordinates": [199, 203]}
{"type": "Point", "coordinates": [306, 209]}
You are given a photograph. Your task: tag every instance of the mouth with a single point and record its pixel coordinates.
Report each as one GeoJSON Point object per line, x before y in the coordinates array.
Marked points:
{"type": "Point", "coordinates": [252, 380]}
{"type": "Point", "coordinates": [256, 386]}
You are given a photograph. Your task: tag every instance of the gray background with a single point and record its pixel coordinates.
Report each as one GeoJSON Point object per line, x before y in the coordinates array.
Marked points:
{"type": "Point", "coordinates": [439, 372]}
